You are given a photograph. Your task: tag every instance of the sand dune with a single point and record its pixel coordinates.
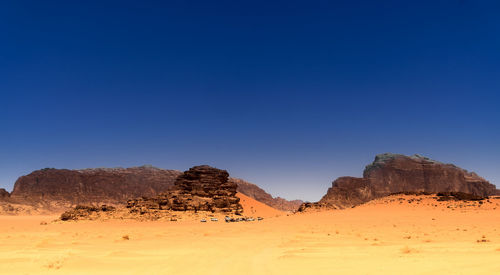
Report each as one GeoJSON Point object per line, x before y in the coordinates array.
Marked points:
{"type": "Point", "coordinates": [398, 234]}
{"type": "Point", "coordinates": [254, 208]}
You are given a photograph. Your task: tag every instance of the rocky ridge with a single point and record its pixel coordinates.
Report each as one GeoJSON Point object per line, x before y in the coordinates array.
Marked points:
{"type": "Point", "coordinates": [253, 191]}
{"type": "Point", "coordinates": [59, 189]}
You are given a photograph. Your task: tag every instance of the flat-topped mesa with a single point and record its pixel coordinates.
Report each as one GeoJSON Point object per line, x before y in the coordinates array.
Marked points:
{"type": "Point", "coordinates": [398, 173]}
{"type": "Point", "coordinates": [201, 188]}
{"type": "Point", "coordinates": [89, 186]}
{"type": "Point", "coordinates": [394, 173]}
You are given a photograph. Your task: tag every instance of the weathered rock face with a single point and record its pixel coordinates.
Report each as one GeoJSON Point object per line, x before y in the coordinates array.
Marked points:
{"type": "Point", "coordinates": [348, 191]}
{"type": "Point", "coordinates": [4, 193]}
{"type": "Point", "coordinates": [201, 188]}
{"type": "Point", "coordinates": [253, 191]}
{"type": "Point", "coordinates": [62, 188]}
{"type": "Point", "coordinates": [89, 186]}
{"type": "Point", "coordinates": [392, 173]}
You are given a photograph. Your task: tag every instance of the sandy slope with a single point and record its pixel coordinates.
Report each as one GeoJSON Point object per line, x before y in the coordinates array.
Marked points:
{"type": "Point", "coordinates": [389, 236]}
{"type": "Point", "coordinates": [255, 208]}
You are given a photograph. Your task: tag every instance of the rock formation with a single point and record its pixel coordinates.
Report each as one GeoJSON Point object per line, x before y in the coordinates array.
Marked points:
{"type": "Point", "coordinates": [253, 191]}
{"type": "Point", "coordinates": [62, 188]}
{"type": "Point", "coordinates": [201, 188]}
{"type": "Point", "coordinates": [4, 194]}
{"type": "Point", "coordinates": [103, 185]}
{"type": "Point", "coordinates": [393, 173]}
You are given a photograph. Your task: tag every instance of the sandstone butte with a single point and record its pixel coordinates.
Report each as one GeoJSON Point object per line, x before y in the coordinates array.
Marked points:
{"type": "Point", "coordinates": [201, 188]}
{"type": "Point", "coordinates": [59, 189]}
{"type": "Point", "coordinates": [395, 173]}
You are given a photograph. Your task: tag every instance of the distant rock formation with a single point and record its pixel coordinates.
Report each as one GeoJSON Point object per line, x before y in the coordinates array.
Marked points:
{"type": "Point", "coordinates": [102, 185]}
{"type": "Point", "coordinates": [253, 191]}
{"type": "Point", "coordinates": [62, 188]}
{"type": "Point", "coordinates": [4, 193]}
{"type": "Point", "coordinates": [201, 188]}
{"type": "Point", "coordinates": [394, 173]}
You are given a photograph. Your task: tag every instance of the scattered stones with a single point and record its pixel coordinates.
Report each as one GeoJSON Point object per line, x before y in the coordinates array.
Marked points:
{"type": "Point", "coordinates": [460, 196]}
{"type": "Point", "coordinates": [86, 212]}
{"type": "Point", "coordinates": [483, 240]}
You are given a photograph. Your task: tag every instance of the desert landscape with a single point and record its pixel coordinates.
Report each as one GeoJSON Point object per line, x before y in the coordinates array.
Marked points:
{"type": "Point", "coordinates": [389, 235]}
{"type": "Point", "coordinates": [249, 137]}
{"type": "Point", "coordinates": [445, 222]}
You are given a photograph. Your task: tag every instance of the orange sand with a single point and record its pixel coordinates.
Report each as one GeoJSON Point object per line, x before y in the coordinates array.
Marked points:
{"type": "Point", "coordinates": [387, 236]}
{"type": "Point", "coordinates": [255, 208]}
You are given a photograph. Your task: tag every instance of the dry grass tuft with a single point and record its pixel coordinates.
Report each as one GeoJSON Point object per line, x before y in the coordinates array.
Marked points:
{"type": "Point", "coordinates": [408, 250]}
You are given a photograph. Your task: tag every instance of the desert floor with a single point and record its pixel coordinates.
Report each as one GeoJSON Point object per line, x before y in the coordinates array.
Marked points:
{"type": "Point", "coordinates": [395, 235]}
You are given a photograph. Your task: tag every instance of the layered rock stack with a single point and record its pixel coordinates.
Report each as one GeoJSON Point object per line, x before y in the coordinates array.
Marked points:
{"type": "Point", "coordinates": [394, 173]}
{"type": "Point", "coordinates": [201, 188]}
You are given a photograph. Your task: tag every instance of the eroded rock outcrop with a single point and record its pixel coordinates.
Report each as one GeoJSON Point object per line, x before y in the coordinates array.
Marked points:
{"type": "Point", "coordinates": [393, 173]}
{"type": "Point", "coordinates": [201, 188]}
{"type": "Point", "coordinates": [253, 191]}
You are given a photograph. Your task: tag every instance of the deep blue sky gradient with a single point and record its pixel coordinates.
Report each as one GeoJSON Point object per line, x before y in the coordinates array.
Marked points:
{"type": "Point", "coordinates": [286, 94]}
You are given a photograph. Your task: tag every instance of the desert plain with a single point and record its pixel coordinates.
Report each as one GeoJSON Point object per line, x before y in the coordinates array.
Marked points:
{"type": "Point", "coordinates": [399, 234]}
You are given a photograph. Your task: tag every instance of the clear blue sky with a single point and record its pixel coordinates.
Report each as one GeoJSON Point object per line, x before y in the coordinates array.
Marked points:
{"type": "Point", "coordinates": [286, 94]}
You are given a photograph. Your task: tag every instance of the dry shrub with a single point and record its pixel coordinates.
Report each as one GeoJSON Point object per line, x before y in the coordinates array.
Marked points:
{"type": "Point", "coordinates": [408, 250]}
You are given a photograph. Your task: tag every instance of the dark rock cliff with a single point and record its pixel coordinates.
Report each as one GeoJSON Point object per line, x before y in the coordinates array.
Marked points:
{"type": "Point", "coordinates": [393, 173]}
